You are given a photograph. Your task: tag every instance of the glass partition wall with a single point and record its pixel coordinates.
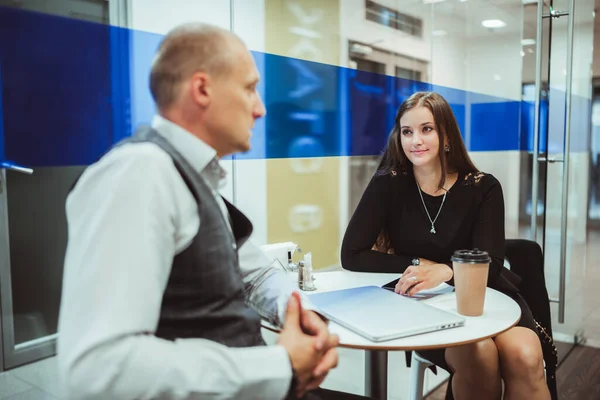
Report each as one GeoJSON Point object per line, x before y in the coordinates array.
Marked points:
{"type": "Point", "coordinates": [333, 75]}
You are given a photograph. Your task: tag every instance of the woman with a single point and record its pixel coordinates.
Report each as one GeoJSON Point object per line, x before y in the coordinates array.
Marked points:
{"type": "Point", "coordinates": [426, 200]}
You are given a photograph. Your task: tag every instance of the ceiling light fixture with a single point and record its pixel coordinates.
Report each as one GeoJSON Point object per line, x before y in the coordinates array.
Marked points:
{"type": "Point", "coordinates": [527, 42]}
{"type": "Point", "coordinates": [361, 49]}
{"type": "Point", "coordinates": [432, 1]}
{"type": "Point", "coordinates": [439, 32]}
{"type": "Point", "coordinates": [493, 23]}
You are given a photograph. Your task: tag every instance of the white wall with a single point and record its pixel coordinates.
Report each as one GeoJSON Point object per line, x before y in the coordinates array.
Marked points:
{"type": "Point", "coordinates": [450, 65]}
{"type": "Point", "coordinates": [495, 69]}
{"type": "Point", "coordinates": [158, 17]}
{"type": "Point", "coordinates": [506, 167]}
{"type": "Point", "coordinates": [251, 174]}
{"type": "Point", "coordinates": [495, 66]}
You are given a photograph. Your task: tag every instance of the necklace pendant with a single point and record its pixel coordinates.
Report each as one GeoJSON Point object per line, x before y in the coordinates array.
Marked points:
{"type": "Point", "coordinates": [432, 229]}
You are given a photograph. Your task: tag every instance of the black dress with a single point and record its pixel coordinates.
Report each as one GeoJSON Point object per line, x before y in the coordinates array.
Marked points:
{"type": "Point", "coordinates": [472, 216]}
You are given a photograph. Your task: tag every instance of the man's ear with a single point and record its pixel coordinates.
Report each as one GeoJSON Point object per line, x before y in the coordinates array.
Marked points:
{"type": "Point", "coordinates": [201, 88]}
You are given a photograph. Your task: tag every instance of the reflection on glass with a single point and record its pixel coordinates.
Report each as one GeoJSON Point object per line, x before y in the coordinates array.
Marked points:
{"type": "Point", "coordinates": [406, 73]}
{"type": "Point", "coordinates": [394, 19]}
{"type": "Point", "coordinates": [86, 10]}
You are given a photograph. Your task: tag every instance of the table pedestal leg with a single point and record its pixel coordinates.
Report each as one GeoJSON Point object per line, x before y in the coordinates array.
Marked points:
{"type": "Point", "coordinates": [376, 369]}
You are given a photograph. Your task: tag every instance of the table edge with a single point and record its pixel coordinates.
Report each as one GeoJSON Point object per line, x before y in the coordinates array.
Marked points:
{"type": "Point", "coordinates": [413, 348]}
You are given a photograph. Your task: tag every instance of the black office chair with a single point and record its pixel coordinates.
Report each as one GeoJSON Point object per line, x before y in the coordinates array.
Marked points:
{"type": "Point", "coordinates": [527, 261]}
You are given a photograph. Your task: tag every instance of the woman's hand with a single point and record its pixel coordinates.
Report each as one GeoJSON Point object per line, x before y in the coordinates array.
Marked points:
{"type": "Point", "coordinates": [425, 276]}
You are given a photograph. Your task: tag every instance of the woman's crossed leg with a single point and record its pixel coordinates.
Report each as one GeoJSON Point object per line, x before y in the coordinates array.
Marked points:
{"type": "Point", "coordinates": [514, 357]}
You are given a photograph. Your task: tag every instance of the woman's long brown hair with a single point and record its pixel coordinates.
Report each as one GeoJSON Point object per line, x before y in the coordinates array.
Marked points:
{"type": "Point", "coordinates": [395, 161]}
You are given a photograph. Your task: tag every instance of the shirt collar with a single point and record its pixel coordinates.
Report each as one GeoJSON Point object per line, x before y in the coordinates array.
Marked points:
{"type": "Point", "coordinates": [194, 150]}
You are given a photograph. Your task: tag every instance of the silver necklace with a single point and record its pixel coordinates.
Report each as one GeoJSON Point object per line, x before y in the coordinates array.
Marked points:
{"type": "Point", "coordinates": [432, 230]}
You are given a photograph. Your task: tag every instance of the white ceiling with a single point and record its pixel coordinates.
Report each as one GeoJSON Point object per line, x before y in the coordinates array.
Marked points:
{"type": "Point", "coordinates": [464, 17]}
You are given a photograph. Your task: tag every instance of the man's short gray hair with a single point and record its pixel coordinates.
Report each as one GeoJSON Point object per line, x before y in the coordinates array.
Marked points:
{"type": "Point", "coordinates": [184, 51]}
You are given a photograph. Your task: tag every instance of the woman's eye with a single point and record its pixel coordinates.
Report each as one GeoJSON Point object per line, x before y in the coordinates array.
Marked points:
{"type": "Point", "coordinates": [427, 129]}
{"type": "Point", "coordinates": [406, 132]}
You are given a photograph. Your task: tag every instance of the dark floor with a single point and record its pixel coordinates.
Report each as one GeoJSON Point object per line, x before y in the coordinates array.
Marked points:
{"type": "Point", "coordinates": [578, 374]}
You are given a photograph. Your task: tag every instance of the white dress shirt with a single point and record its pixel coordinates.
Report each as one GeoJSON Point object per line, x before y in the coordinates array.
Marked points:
{"type": "Point", "coordinates": [128, 217]}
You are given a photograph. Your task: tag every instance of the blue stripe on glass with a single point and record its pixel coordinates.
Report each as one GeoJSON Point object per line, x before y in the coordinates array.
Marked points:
{"type": "Point", "coordinates": [495, 126]}
{"type": "Point", "coordinates": [64, 100]}
{"type": "Point", "coordinates": [70, 89]}
{"type": "Point", "coordinates": [2, 157]}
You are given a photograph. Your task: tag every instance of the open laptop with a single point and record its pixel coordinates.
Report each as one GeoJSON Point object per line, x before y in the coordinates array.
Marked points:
{"type": "Point", "coordinates": [379, 314]}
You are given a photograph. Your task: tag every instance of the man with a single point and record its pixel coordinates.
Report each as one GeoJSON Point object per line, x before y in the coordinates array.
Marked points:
{"type": "Point", "coordinates": [159, 272]}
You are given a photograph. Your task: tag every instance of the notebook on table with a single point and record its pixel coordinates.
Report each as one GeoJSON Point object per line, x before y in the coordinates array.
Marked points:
{"type": "Point", "coordinates": [425, 293]}
{"type": "Point", "coordinates": [379, 314]}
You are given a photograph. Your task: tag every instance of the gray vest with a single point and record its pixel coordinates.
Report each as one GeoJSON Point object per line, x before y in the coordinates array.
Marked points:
{"type": "Point", "coordinates": [204, 297]}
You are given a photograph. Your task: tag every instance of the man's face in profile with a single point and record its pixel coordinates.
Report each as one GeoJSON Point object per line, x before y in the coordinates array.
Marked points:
{"type": "Point", "coordinates": [236, 103]}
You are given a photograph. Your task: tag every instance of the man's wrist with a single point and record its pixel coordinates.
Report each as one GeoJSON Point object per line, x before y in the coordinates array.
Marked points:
{"type": "Point", "coordinates": [293, 384]}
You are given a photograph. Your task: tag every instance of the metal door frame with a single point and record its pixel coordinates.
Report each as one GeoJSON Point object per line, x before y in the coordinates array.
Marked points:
{"type": "Point", "coordinates": [12, 355]}
{"type": "Point", "coordinates": [4, 261]}
{"type": "Point", "coordinates": [567, 142]}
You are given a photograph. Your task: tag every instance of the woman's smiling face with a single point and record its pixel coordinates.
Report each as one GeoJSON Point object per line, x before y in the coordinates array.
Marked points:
{"type": "Point", "coordinates": [419, 137]}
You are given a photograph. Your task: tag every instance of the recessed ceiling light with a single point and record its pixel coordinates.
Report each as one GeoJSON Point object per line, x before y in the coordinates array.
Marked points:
{"type": "Point", "coordinates": [527, 42]}
{"type": "Point", "coordinates": [432, 1]}
{"type": "Point", "coordinates": [493, 23]}
{"type": "Point", "coordinates": [522, 53]}
{"type": "Point", "coordinates": [439, 32]}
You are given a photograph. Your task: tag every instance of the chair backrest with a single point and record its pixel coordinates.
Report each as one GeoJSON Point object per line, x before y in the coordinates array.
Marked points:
{"type": "Point", "coordinates": [526, 260]}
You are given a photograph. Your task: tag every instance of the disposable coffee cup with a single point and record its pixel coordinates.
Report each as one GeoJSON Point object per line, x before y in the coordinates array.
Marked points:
{"type": "Point", "coordinates": [471, 268]}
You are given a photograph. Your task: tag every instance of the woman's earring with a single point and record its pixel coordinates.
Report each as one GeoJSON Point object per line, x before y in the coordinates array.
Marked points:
{"type": "Point", "coordinates": [447, 148]}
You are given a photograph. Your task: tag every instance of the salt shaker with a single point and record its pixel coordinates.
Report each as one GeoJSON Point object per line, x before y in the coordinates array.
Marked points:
{"type": "Point", "coordinates": [305, 279]}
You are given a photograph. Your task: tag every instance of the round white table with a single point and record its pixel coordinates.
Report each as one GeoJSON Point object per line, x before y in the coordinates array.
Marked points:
{"type": "Point", "coordinates": [500, 314]}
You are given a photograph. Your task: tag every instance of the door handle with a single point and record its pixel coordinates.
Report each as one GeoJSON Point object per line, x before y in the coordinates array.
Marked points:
{"type": "Point", "coordinates": [536, 118]}
{"type": "Point", "coordinates": [14, 167]}
{"type": "Point", "coordinates": [567, 151]}
{"type": "Point", "coordinates": [549, 160]}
